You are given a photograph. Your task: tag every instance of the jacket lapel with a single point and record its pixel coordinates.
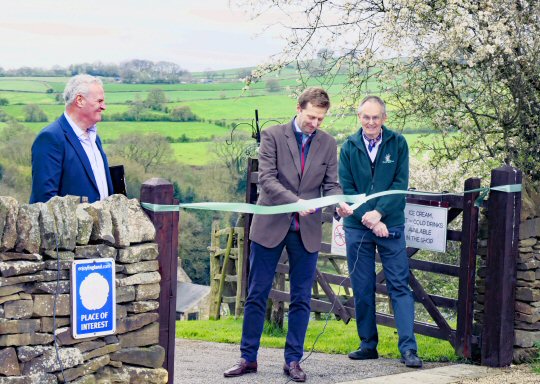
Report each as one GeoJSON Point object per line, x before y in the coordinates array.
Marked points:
{"type": "Point", "coordinates": [75, 143]}
{"type": "Point", "coordinates": [293, 147]}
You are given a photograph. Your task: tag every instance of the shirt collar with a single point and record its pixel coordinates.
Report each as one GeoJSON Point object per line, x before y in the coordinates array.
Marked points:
{"type": "Point", "coordinates": [92, 131]}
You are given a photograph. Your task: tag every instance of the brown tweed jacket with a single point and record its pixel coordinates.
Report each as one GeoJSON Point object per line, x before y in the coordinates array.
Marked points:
{"type": "Point", "coordinates": [281, 182]}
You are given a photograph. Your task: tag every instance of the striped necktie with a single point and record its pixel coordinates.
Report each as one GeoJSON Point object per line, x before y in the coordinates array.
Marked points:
{"type": "Point", "coordinates": [372, 142]}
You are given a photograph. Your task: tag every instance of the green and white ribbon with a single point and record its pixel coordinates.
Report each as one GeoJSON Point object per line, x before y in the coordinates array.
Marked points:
{"type": "Point", "coordinates": [320, 202]}
{"type": "Point", "coordinates": [261, 209]}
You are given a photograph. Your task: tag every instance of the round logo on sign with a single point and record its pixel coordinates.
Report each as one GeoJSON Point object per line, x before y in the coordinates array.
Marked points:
{"type": "Point", "coordinates": [339, 235]}
{"type": "Point", "coordinates": [94, 291]}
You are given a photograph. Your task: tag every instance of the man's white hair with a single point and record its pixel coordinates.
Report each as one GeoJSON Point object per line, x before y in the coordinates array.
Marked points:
{"type": "Point", "coordinates": [375, 99]}
{"type": "Point", "coordinates": [79, 85]}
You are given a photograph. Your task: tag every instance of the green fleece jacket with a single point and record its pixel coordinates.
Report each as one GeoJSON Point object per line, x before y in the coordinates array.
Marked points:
{"type": "Point", "coordinates": [391, 173]}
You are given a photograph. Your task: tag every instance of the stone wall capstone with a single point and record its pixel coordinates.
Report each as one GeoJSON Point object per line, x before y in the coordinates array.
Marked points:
{"type": "Point", "coordinates": [36, 240]}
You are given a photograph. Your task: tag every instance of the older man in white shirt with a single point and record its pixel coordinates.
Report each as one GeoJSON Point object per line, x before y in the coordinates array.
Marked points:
{"type": "Point", "coordinates": [67, 156]}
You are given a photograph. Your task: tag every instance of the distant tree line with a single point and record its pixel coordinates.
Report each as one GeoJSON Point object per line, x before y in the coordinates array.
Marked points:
{"type": "Point", "coordinates": [133, 71]}
{"type": "Point", "coordinates": [185, 139]}
{"type": "Point", "coordinates": [140, 113]}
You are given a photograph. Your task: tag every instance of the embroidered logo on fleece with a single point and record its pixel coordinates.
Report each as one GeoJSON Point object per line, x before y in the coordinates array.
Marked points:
{"type": "Point", "coordinates": [387, 159]}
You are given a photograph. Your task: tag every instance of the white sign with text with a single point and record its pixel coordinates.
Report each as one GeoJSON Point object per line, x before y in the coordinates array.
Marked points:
{"type": "Point", "coordinates": [338, 246]}
{"type": "Point", "coordinates": [93, 297]}
{"type": "Point", "coordinates": [425, 227]}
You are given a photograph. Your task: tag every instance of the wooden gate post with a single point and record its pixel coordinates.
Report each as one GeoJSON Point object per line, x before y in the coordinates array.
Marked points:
{"type": "Point", "coordinates": [160, 191]}
{"type": "Point", "coordinates": [467, 270]}
{"type": "Point", "coordinates": [503, 237]}
{"type": "Point", "coordinates": [251, 197]}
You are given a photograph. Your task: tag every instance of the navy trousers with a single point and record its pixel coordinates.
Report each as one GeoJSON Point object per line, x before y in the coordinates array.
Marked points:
{"type": "Point", "coordinates": [361, 261]}
{"type": "Point", "coordinates": [263, 262]}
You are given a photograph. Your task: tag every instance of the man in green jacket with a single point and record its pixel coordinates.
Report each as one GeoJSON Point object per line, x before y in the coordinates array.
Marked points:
{"type": "Point", "coordinates": [375, 159]}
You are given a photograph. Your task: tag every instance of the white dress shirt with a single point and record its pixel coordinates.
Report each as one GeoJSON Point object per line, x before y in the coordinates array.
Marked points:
{"type": "Point", "coordinates": [88, 142]}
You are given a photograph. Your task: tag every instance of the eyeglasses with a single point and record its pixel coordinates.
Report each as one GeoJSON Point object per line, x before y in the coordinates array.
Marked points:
{"type": "Point", "coordinates": [375, 119]}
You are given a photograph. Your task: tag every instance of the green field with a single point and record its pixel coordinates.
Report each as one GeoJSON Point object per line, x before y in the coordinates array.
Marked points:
{"type": "Point", "coordinates": [194, 153]}
{"type": "Point", "coordinates": [111, 130]}
{"type": "Point", "coordinates": [190, 153]}
{"type": "Point", "coordinates": [270, 106]}
{"type": "Point", "coordinates": [221, 99]}
{"type": "Point", "coordinates": [24, 85]}
{"type": "Point", "coordinates": [53, 111]}
{"type": "Point", "coordinates": [182, 96]}
{"type": "Point", "coordinates": [15, 97]}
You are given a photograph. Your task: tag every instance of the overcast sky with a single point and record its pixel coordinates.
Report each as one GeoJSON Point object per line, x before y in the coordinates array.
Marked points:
{"type": "Point", "coordinates": [195, 34]}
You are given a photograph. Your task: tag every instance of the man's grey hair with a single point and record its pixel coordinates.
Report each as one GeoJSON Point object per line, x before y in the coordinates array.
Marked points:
{"type": "Point", "coordinates": [79, 85]}
{"type": "Point", "coordinates": [375, 99]}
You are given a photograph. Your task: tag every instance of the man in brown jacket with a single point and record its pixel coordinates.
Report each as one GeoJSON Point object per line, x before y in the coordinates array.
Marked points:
{"type": "Point", "coordinates": [297, 161]}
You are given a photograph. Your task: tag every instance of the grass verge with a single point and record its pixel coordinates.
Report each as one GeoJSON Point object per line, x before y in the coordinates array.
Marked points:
{"type": "Point", "coordinates": [535, 364]}
{"type": "Point", "coordinates": [338, 338]}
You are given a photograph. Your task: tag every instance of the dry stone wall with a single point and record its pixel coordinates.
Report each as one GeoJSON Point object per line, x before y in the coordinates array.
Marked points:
{"type": "Point", "coordinates": [527, 305]}
{"type": "Point", "coordinates": [37, 245]}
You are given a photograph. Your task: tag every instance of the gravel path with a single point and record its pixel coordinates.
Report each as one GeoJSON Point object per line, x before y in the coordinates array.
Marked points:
{"type": "Point", "coordinates": [201, 362]}
{"type": "Point", "coordinates": [521, 374]}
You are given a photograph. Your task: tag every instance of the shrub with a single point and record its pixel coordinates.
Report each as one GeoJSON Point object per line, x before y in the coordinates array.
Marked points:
{"type": "Point", "coordinates": [272, 85]}
{"type": "Point", "coordinates": [33, 113]}
{"type": "Point", "coordinates": [182, 113]}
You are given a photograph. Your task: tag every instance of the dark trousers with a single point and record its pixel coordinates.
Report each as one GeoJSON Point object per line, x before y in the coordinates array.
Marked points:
{"type": "Point", "coordinates": [263, 262]}
{"type": "Point", "coordinates": [361, 257]}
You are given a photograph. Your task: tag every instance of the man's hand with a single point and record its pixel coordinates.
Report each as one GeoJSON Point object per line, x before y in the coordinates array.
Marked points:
{"type": "Point", "coordinates": [380, 230]}
{"type": "Point", "coordinates": [344, 210]}
{"type": "Point", "coordinates": [307, 212]}
{"type": "Point", "coordinates": [371, 218]}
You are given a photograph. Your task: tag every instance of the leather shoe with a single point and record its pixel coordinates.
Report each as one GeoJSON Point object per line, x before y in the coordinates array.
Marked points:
{"type": "Point", "coordinates": [411, 359]}
{"type": "Point", "coordinates": [364, 354]}
{"type": "Point", "coordinates": [294, 371]}
{"type": "Point", "coordinates": [240, 368]}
